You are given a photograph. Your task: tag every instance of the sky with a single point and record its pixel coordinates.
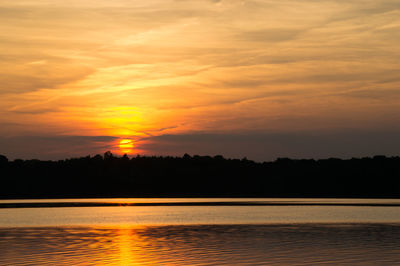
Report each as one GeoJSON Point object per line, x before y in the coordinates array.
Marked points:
{"type": "Point", "coordinates": [260, 79]}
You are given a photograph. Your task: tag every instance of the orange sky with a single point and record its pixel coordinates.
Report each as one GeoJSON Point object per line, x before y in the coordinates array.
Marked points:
{"type": "Point", "coordinates": [76, 76]}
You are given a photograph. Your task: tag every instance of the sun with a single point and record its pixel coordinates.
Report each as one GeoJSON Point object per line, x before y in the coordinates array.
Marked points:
{"type": "Point", "coordinates": [126, 145]}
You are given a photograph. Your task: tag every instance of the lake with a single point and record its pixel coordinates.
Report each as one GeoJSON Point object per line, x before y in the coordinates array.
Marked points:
{"type": "Point", "coordinates": [200, 232]}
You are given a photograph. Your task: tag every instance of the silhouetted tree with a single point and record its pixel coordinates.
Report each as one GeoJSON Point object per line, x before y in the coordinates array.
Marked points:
{"type": "Point", "coordinates": [199, 176]}
{"type": "Point", "coordinates": [108, 155]}
{"type": "Point", "coordinates": [3, 160]}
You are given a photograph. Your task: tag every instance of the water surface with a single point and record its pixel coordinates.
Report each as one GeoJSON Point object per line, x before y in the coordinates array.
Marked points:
{"type": "Point", "coordinates": [202, 235]}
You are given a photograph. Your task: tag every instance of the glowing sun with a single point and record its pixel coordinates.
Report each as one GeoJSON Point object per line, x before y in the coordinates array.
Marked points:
{"type": "Point", "coordinates": [126, 145]}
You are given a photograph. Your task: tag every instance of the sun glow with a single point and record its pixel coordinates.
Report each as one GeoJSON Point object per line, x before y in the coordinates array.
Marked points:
{"type": "Point", "coordinates": [126, 145]}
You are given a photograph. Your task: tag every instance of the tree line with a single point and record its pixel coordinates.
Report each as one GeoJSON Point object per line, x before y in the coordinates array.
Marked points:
{"type": "Point", "coordinates": [199, 176]}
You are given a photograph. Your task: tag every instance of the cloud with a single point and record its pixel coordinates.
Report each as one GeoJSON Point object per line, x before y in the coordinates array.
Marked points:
{"type": "Point", "coordinates": [35, 111]}
{"type": "Point", "coordinates": [375, 93]}
{"type": "Point", "coordinates": [269, 146]}
{"type": "Point", "coordinates": [54, 147]}
{"type": "Point", "coordinates": [253, 145]}
{"type": "Point", "coordinates": [269, 35]}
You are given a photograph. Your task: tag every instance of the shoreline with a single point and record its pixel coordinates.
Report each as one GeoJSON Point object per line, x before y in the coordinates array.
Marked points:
{"type": "Point", "coordinates": [215, 203]}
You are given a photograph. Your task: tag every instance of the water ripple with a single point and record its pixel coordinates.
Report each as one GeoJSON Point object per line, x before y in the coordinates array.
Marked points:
{"type": "Point", "coordinates": [343, 244]}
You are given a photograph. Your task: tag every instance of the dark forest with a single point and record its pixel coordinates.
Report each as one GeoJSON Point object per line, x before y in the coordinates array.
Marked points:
{"type": "Point", "coordinates": [199, 176]}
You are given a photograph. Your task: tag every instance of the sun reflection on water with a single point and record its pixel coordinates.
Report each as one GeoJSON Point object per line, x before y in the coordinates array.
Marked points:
{"type": "Point", "coordinates": [124, 240]}
{"type": "Point", "coordinates": [352, 244]}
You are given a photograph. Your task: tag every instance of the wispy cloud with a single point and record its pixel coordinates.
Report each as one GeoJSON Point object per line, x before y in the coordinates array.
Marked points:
{"type": "Point", "coordinates": [138, 68]}
{"type": "Point", "coordinates": [55, 147]}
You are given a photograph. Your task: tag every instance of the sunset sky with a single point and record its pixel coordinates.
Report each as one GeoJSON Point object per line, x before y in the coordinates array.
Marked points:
{"type": "Point", "coordinates": [261, 78]}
